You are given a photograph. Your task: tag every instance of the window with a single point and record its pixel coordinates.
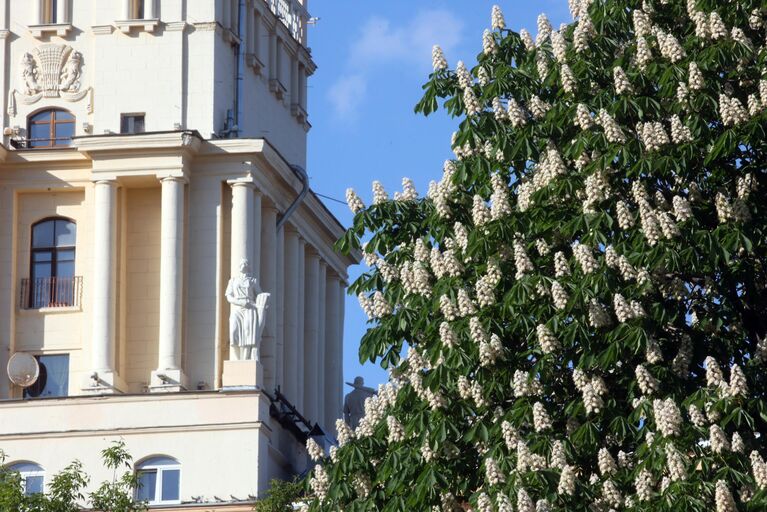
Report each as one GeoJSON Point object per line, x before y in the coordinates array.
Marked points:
{"type": "Point", "coordinates": [32, 477]}
{"type": "Point", "coordinates": [51, 128]}
{"type": "Point", "coordinates": [48, 14]}
{"type": "Point", "coordinates": [132, 123]}
{"type": "Point", "coordinates": [52, 281]}
{"type": "Point", "coordinates": [54, 377]}
{"type": "Point", "coordinates": [159, 481]}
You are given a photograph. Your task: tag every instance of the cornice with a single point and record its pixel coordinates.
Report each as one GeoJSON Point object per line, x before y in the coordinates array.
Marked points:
{"type": "Point", "coordinates": [95, 145]}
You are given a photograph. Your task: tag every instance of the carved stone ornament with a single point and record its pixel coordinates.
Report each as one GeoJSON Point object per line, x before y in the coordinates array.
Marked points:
{"type": "Point", "coordinates": [49, 71]}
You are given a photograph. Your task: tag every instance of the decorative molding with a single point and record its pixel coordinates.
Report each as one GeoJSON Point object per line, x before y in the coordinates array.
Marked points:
{"type": "Point", "coordinates": [126, 26]}
{"type": "Point", "coordinates": [102, 30]}
{"type": "Point", "coordinates": [277, 88]}
{"type": "Point", "coordinates": [252, 60]}
{"type": "Point", "coordinates": [297, 111]}
{"type": "Point", "coordinates": [176, 26]}
{"type": "Point", "coordinates": [60, 29]}
{"type": "Point", "coordinates": [49, 71]}
{"type": "Point", "coordinates": [4, 33]}
{"type": "Point", "coordinates": [209, 26]}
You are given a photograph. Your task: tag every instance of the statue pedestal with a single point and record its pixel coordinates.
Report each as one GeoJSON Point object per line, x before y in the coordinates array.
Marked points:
{"type": "Point", "coordinates": [167, 381]}
{"type": "Point", "coordinates": [243, 374]}
{"type": "Point", "coordinates": [102, 383]}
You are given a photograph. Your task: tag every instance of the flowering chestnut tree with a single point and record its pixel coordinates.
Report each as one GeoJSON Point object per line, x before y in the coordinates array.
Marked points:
{"type": "Point", "coordinates": [583, 294]}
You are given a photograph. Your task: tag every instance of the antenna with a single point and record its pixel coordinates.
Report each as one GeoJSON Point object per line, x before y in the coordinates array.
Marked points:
{"type": "Point", "coordinates": [23, 369]}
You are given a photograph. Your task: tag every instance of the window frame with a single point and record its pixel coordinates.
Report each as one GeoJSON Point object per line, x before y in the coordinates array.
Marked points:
{"type": "Point", "coordinates": [137, 9]}
{"type": "Point", "coordinates": [27, 473]}
{"type": "Point", "coordinates": [49, 12]}
{"type": "Point", "coordinates": [133, 115]}
{"type": "Point", "coordinates": [159, 464]}
{"type": "Point", "coordinates": [52, 141]}
{"type": "Point", "coordinates": [44, 368]}
{"type": "Point", "coordinates": [53, 250]}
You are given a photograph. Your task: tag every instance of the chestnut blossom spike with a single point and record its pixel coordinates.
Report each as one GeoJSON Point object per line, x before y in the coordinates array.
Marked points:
{"type": "Point", "coordinates": [496, 18]}
{"type": "Point", "coordinates": [439, 63]}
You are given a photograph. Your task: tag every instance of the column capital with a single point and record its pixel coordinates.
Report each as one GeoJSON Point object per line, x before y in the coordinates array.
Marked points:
{"type": "Point", "coordinates": [246, 181]}
{"type": "Point", "coordinates": [103, 181]}
{"type": "Point", "coordinates": [181, 179]}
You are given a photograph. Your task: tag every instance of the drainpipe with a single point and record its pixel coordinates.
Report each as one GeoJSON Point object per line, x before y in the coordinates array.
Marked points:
{"type": "Point", "coordinates": [301, 173]}
{"type": "Point", "coordinates": [238, 67]}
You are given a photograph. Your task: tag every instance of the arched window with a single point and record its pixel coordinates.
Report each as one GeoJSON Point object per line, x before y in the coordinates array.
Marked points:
{"type": "Point", "coordinates": [51, 128]}
{"type": "Point", "coordinates": [159, 480]}
{"type": "Point", "coordinates": [32, 476]}
{"type": "Point", "coordinates": [52, 264]}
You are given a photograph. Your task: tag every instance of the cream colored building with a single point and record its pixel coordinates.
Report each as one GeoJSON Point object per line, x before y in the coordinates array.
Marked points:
{"type": "Point", "coordinates": [149, 146]}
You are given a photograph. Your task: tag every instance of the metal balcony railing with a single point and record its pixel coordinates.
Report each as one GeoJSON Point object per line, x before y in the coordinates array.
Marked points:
{"type": "Point", "coordinates": [293, 15]}
{"type": "Point", "coordinates": [51, 292]}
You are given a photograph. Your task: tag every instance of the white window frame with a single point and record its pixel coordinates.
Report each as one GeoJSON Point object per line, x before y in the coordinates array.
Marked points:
{"type": "Point", "coordinates": [28, 473]}
{"type": "Point", "coordinates": [160, 469]}
{"type": "Point", "coordinates": [43, 26]}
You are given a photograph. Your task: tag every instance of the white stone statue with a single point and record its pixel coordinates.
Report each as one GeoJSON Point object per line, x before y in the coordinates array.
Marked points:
{"type": "Point", "coordinates": [246, 320]}
{"type": "Point", "coordinates": [70, 75]}
{"type": "Point", "coordinates": [29, 74]}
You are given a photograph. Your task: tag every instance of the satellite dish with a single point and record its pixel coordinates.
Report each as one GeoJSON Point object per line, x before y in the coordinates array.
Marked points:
{"type": "Point", "coordinates": [23, 369]}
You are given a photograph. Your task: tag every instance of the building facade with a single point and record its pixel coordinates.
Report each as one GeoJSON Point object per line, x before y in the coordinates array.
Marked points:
{"type": "Point", "coordinates": [149, 147]}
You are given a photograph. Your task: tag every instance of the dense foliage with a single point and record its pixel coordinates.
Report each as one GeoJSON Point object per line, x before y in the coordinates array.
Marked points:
{"type": "Point", "coordinates": [584, 293]}
{"type": "Point", "coordinates": [280, 497]}
{"type": "Point", "coordinates": [66, 491]}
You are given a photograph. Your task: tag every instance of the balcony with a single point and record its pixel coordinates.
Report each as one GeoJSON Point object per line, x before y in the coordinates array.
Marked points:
{"type": "Point", "coordinates": [51, 292]}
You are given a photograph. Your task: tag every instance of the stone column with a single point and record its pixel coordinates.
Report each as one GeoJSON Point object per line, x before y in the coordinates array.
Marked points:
{"type": "Point", "coordinates": [169, 375]}
{"type": "Point", "coordinates": [104, 286]}
{"type": "Point", "coordinates": [301, 321]}
{"type": "Point", "coordinates": [279, 309]}
{"type": "Point", "coordinates": [311, 324]}
{"type": "Point", "coordinates": [290, 383]}
{"type": "Point", "coordinates": [321, 368]}
{"type": "Point", "coordinates": [246, 213]}
{"type": "Point", "coordinates": [269, 285]}
{"type": "Point", "coordinates": [339, 376]}
{"type": "Point", "coordinates": [333, 353]}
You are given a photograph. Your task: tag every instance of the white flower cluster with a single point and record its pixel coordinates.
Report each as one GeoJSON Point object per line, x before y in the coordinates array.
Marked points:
{"type": "Point", "coordinates": [668, 419]}
{"type": "Point", "coordinates": [732, 111]}
{"type": "Point", "coordinates": [626, 311]}
{"type": "Point", "coordinates": [542, 65]}
{"type": "Point", "coordinates": [353, 200]}
{"type": "Point", "coordinates": [650, 225]}
{"type": "Point", "coordinates": [504, 503]}
{"type": "Point", "coordinates": [447, 308]}
{"type": "Point", "coordinates": [695, 79]}
{"type": "Point", "coordinates": [644, 54]}
{"type": "Point", "coordinates": [489, 46]}
{"type": "Point", "coordinates": [724, 500]}
{"type": "Point", "coordinates": [396, 430]}
{"type": "Point", "coordinates": [524, 502]}
{"type": "Point", "coordinates": [538, 107]}
{"type": "Point", "coordinates": [415, 278]}
{"type": "Point", "coordinates": [548, 342]}
{"type": "Point", "coordinates": [438, 61]}
{"type": "Point", "coordinates": [716, 27]}
{"type": "Point", "coordinates": [606, 462]}
{"type": "Point", "coordinates": [558, 458]}
{"type": "Point", "coordinates": [344, 433]}
{"type": "Point", "coordinates": [621, 81]}
{"type": "Point", "coordinates": [510, 435]}
{"type": "Point", "coordinates": [525, 384]}
{"type": "Point", "coordinates": [738, 385]}
{"type": "Point", "coordinates": [544, 29]}
{"type": "Point", "coordinates": [597, 188]}
{"type": "Point", "coordinates": [379, 194]}
{"type": "Point", "coordinates": [611, 494]}
{"type": "Point", "coordinates": [496, 18]}
{"type": "Point", "coordinates": [583, 117]}
{"type": "Point", "coordinates": [653, 354]}
{"type": "Point", "coordinates": [320, 483]}
{"type": "Point", "coordinates": [675, 463]}
{"type": "Point", "coordinates": [499, 199]}
{"type": "Point", "coordinates": [642, 23]}
{"type": "Point", "coordinates": [516, 114]}
{"type": "Point", "coordinates": [480, 213]}
{"type": "Point", "coordinates": [465, 305]}
{"type": "Point", "coordinates": [561, 267]}
{"type": "Point", "coordinates": [612, 129]}
{"type": "Point", "coordinates": [696, 416]}
{"type": "Point", "coordinates": [493, 473]}
{"type": "Point", "coordinates": [484, 504]}
{"type": "Point", "coordinates": [759, 469]}
{"type": "Point", "coordinates": [669, 46]}
{"type": "Point", "coordinates": [315, 451]}
{"type": "Point", "coordinates": [647, 383]}
{"type": "Point", "coordinates": [521, 259]}
{"type": "Point", "coordinates": [559, 295]}
{"type": "Point", "coordinates": [485, 285]}
{"type": "Point", "coordinates": [362, 486]}
{"type": "Point", "coordinates": [568, 78]}
{"type": "Point", "coordinates": [566, 481]}
{"type": "Point", "coordinates": [584, 30]}
{"type": "Point", "coordinates": [465, 79]}
{"type": "Point", "coordinates": [718, 439]}
{"type": "Point", "coordinates": [490, 351]}
{"type": "Point", "coordinates": [559, 47]}
{"type": "Point", "coordinates": [714, 375]}
{"type": "Point", "coordinates": [477, 331]}
{"type": "Point", "coordinates": [585, 258]}
{"type": "Point", "coordinates": [652, 135]}
{"type": "Point", "coordinates": [527, 39]}
{"type": "Point", "coordinates": [644, 486]}
{"type": "Point", "coordinates": [625, 218]}
{"type": "Point", "coordinates": [471, 103]}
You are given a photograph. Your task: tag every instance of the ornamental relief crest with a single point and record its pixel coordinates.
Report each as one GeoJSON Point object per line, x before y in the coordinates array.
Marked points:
{"type": "Point", "coordinates": [49, 71]}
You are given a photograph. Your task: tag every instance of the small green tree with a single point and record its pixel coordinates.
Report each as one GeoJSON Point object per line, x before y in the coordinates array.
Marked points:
{"type": "Point", "coordinates": [584, 293]}
{"type": "Point", "coordinates": [280, 496]}
{"type": "Point", "coordinates": [117, 495]}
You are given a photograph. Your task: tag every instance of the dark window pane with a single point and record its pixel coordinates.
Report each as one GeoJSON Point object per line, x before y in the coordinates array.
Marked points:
{"type": "Point", "coordinates": [45, 115]}
{"type": "Point", "coordinates": [65, 270]}
{"type": "Point", "coordinates": [147, 481]}
{"type": "Point", "coordinates": [63, 115]}
{"type": "Point", "coordinates": [57, 369]}
{"type": "Point", "coordinates": [64, 133]}
{"type": "Point", "coordinates": [33, 485]}
{"type": "Point", "coordinates": [42, 256]}
{"type": "Point", "coordinates": [42, 234]}
{"type": "Point", "coordinates": [132, 123]}
{"type": "Point", "coordinates": [170, 484]}
{"type": "Point", "coordinates": [40, 133]}
{"type": "Point", "coordinates": [40, 270]}
{"type": "Point", "coordinates": [138, 124]}
{"type": "Point", "coordinates": [66, 232]}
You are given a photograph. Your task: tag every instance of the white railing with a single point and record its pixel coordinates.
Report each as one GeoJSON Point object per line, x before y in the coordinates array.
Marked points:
{"type": "Point", "coordinates": [293, 15]}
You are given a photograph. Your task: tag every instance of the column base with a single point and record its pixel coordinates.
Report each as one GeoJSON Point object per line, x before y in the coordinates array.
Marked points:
{"type": "Point", "coordinates": [243, 375]}
{"type": "Point", "coordinates": [102, 382]}
{"type": "Point", "coordinates": [167, 381]}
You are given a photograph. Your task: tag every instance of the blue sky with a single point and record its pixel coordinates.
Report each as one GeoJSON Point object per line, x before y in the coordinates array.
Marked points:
{"type": "Point", "coordinates": [373, 58]}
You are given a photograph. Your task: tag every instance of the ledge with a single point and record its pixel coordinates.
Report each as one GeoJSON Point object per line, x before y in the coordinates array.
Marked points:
{"type": "Point", "coordinates": [126, 26]}
{"type": "Point", "coordinates": [60, 29]}
{"type": "Point", "coordinates": [252, 60]}
{"type": "Point", "coordinates": [49, 311]}
{"type": "Point", "coordinates": [277, 88]}
{"type": "Point", "coordinates": [297, 111]}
